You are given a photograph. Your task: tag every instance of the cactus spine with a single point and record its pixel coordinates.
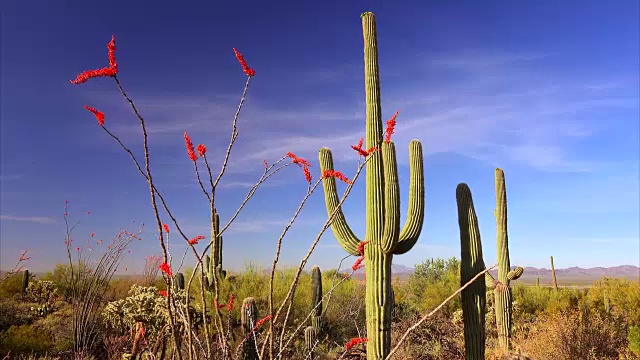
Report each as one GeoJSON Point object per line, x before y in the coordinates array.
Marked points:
{"type": "Point", "coordinates": [316, 301]}
{"type": "Point", "coordinates": [213, 263]}
{"type": "Point", "coordinates": [383, 231]}
{"type": "Point", "coordinates": [248, 319]}
{"type": "Point", "coordinates": [502, 288]}
{"type": "Point", "coordinates": [25, 281]}
{"type": "Point", "coordinates": [553, 275]}
{"type": "Point", "coordinates": [310, 340]}
{"type": "Point", "coordinates": [471, 264]}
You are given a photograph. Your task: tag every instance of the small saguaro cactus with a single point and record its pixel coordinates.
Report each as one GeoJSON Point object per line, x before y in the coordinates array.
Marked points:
{"type": "Point", "coordinates": [538, 281]}
{"type": "Point", "coordinates": [25, 281]}
{"type": "Point", "coordinates": [384, 235]}
{"type": "Point", "coordinates": [213, 263]}
{"type": "Point", "coordinates": [316, 301]}
{"type": "Point", "coordinates": [310, 340]}
{"type": "Point", "coordinates": [553, 275]}
{"type": "Point", "coordinates": [502, 288]}
{"type": "Point", "coordinates": [248, 320]}
{"type": "Point", "coordinates": [178, 281]}
{"type": "Point", "coordinates": [471, 264]}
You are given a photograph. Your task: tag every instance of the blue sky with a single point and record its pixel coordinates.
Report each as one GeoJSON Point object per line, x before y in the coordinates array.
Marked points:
{"type": "Point", "coordinates": [546, 90]}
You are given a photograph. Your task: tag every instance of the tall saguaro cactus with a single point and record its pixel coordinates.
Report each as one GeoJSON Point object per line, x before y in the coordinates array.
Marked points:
{"type": "Point", "coordinates": [383, 233]}
{"type": "Point", "coordinates": [502, 287]}
{"type": "Point", "coordinates": [553, 275]}
{"type": "Point", "coordinates": [213, 263]}
{"type": "Point", "coordinates": [471, 263]}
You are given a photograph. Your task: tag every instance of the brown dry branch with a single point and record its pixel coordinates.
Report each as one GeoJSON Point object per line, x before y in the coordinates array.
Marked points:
{"type": "Point", "coordinates": [424, 318]}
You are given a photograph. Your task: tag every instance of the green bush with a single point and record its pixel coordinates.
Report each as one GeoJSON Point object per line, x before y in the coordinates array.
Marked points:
{"type": "Point", "coordinates": [25, 339]}
{"type": "Point", "coordinates": [634, 340]}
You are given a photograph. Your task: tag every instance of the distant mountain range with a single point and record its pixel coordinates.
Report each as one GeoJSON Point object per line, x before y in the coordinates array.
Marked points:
{"type": "Point", "coordinates": [573, 274]}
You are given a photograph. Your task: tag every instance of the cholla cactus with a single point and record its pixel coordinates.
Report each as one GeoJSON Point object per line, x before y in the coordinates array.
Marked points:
{"type": "Point", "coordinates": [41, 291]}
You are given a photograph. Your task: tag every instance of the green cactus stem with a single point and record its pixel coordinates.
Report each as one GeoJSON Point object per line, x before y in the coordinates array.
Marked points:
{"type": "Point", "coordinates": [316, 300]}
{"type": "Point", "coordinates": [553, 275]}
{"type": "Point", "coordinates": [502, 288]}
{"type": "Point", "coordinates": [471, 264]}
{"type": "Point", "coordinates": [248, 319]}
{"type": "Point", "coordinates": [607, 304]}
{"type": "Point", "coordinates": [178, 281]}
{"type": "Point", "coordinates": [538, 282]}
{"type": "Point", "coordinates": [310, 340]}
{"type": "Point", "coordinates": [25, 281]}
{"type": "Point", "coordinates": [383, 232]}
{"type": "Point", "coordinates": [213, 262]}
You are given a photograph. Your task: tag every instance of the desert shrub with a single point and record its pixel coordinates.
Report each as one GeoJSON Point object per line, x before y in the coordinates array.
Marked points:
{"type": "Point", "coordinates": [576, 334]}
{"type": "Point", "coordinates": [25, 339]}
{"type": "Point", "coordinates": [11, 286]}
{"type": "Point", "coordinates": [57, 324]}
{"type": "Point", "coordinates": [623, 296]}
{"type": "Point", "coordinates": [14, 313]}
{"type": "Point", "coordinates": [438, 338]}
{"type": "Point", "coordinates": [431, 283]}
{"type": "Point", "coordinates": [634, 340]}
{"type": "Point", "coordinates": [64, 280]}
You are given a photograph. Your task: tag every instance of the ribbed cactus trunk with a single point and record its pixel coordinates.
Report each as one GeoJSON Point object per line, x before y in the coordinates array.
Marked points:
{"type": "Point", "coordinates": [553, 275]}
{"type": "Point", "coordinates": [248, 319]}
{"type": "Point", "coordinates": [316, 301]}
{"type": "Point", "coordinates": [25, 281]}
{"type": "Point", "coordinates": [383, 233]}
{"type": "Point", "coordinates": [471, 263]}
{"type": "Point", "coordinates": [213, 262]}
{"type": "Point", "coordinates": [310, 340]}
{"type": "Point", "coordinates": [502, 290]}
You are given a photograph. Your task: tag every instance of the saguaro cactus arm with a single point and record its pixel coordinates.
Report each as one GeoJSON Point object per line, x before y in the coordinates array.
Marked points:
{"type": "Point", "coordinates": [415, 212]}
{"type": "Point", "coordinates": [392, 199]}
{"type": "Point", "coordinates": [341, 230]}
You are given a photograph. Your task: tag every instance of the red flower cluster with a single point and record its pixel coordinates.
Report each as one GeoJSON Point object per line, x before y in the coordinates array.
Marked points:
{"type": "Point", "coordinates": [201, 150]}
{"type": "Point", "coordinates": [111, 70]}
{"type": "Point", "coordinates": [99, 114]}
{"type": "Point", "coordinates": [166, 228]}
{"type": "Point", "coordinates": [362, 151]}
{"type": "Point", "coordinates": [190, 150]}
{"type": "Point", "coordinates": [361, 246]}
{"type": "Point", "coordinates": [247, 70]}
{"type": "Point", "coordinates": [162, 293]}
{"type": "Point", "coordinates": [355, 341]}
{"type": "Point", "coordinates": [336, 174]}
{"type": "Point", "coordinates": [391, 125]}
{"type": "Point", "coordinates": [230, 304]}
{"type": "Point", "coordinates": [166, 269]}
{"type": "Point", "coordinates": [195, 240]}
{"type": "Point", "coordinates": [302, 163]}
{"type": "Point", "coordinates": [358, 264]}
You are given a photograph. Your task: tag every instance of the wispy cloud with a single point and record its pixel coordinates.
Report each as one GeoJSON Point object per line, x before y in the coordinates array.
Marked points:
{"type": "Point", "coordinates": [34, 219]}
{"type": "Point", "coordinates": [496, 106]}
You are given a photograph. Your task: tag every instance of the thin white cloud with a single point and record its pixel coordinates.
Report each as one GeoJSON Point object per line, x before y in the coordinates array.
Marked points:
{"type": "Point", "coordinates": [33, 219]}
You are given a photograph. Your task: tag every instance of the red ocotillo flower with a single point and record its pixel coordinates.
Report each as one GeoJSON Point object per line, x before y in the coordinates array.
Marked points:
{"type": "Point", "coordinates": [112, 54]}
{"type": "Point", "coordinates": [189, 145]}
{"type": "Point", "coordinates": [362, 151]}
{"type": "Point", "coordinates": [201, 150]}
{"type": "Point", "coordinates": [99, 114]}
{"type": "Point", "coordinates": [247, 70]}
{"type": "Point", "coordinates": [307, 173]}
{"type": "Point", "coordinates": [23, 257]}
{"type": "Point", "coordinates": [361, 245]}
{"type": "Point", "coordinates": [355, 341]}
{"type": "Point", "coordinates": [358, 264]}
{"type": "Point", "coordinates": [336, 174]}
{"type": "Point", "coordinates": [298, 160]}
{"type": "Point", "coordinates": [230, 303]}
{"type": "Point", "coordinates": [195, 240]}
{"type": "Point", "coordinates": [166, 228]}
{"type": "Point", "coordinates": [391, 125]}
{"type": "Point", "coordinates": [218, 306]}
{"type": "Point", "coordinates": [162, 293]}
{"type": "Point", "coordinates": [166, 269]}
{"type": "Point", "coordinates": [90, 74]}
{"type": "Point", "coordinates": [262, 321]}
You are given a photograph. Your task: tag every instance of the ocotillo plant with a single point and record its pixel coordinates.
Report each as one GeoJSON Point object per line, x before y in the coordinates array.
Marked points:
{"type": "Point", "coordinates": [471, 263]}
{"type": "Point", "coordinates": [310, 340]}
{"type": "Point", "coordinates": [25, 281]}
{"type": "Point", "coordinates": [248, 320]}
{"type": "Point", "coordinates": [316, 300]}
{"type": "Point", "coordinates": [553, 275]}
{"type": "Point", "coordinates": [213, 263]}
{"type": "Point", "coordinates": [383, 236]}
{"type": "Point", "coordinates": [502, 288]}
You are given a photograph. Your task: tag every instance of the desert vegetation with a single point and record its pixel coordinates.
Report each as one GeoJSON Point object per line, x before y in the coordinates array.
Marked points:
{"type": "Point", "coordinates": [447, 309]}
